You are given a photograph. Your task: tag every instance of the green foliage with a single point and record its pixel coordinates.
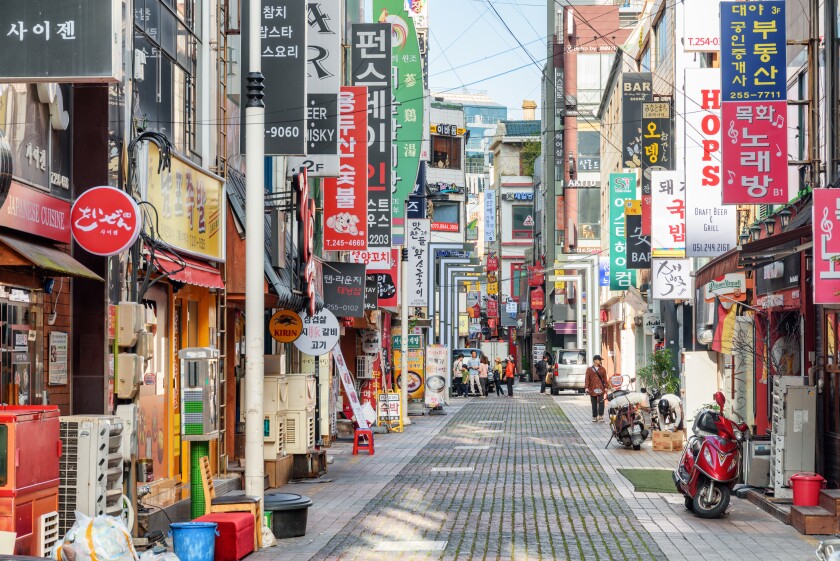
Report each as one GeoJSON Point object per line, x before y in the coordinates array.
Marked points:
{"type": "Point", "coordinates": [531, 150]}
{"type": "Point", "coordinates": [659, 373]}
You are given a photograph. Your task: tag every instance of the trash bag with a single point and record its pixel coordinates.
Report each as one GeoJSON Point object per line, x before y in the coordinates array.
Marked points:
{"type": "Point", "coordinates": [268, 539]}
{"type": "Point", "coordinates": [150, 555]}
{"type": "Point", "coordinates": [103, 538]}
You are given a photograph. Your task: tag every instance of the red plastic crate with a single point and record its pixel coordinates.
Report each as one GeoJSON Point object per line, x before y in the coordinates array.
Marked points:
{"type": "Point", "coordinates": [236, 534]}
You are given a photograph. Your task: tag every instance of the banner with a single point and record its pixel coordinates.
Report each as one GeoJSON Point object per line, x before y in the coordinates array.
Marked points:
{"type": "Point", "coordinates": [437, 376]}
{"type": "Point", "coordinates": [638, 245]}
{"type": "Point", "coordinates": [344, 289]}
{"type": "Point", "coordinates": [418, 237]}
{"type": "Point", "coordinates": [416, 372]}
{"type": "Point", "coordinates": [668, 206]}
{"type": "Point", "coordinates": [349, 387]}
{"type": "Point", "coordinates": [408, 100]}
{"type": "Point", "coordinates": [489, 216]}
{"type": "Point", "coordinates": [345, 197]}
{"type": "Point", "coordinates": [370, 53]}
{"type": "Point", "coordinates": [657, 148]}
{"type": "Point", "coordinates": [323, 80]}
{"type": "Point", "coordinates": [671, 279]}
{"type": "Point", "coordinates": [636, 90]}
{"type": "Point", "coordinates": [622, 188]}
{"type": "Point", "coordinates": [826, 246]}
{"type": "Point", "coordinates": [711, 229]}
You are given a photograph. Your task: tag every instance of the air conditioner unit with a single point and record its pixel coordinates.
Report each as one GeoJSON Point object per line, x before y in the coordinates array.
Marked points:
{"type": "Point", "coordinates": [130, 321]}
{"type": "Point", "coordinates": [364, 367]}
{"type": "Point", "coordinates": [47, 536]}
{"type": "Point", "coordinates": [300, 431]}
{"type": "Point", "coordinates": [129, 374]}
{"type": "Point", "coordinates": [91, 468]}
{"type": "Point", "coordinates": [301, 392]}
{"type": "Point", "coordinates": [275, 395]}
{"type": "Point", "coordinates": [274, 436]}
{"type": "Point", "coordinates": [146, 344]}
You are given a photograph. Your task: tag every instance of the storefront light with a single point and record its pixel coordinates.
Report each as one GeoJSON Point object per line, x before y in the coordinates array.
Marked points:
{"type": "Point", "coordinates": [784, 217]}
{"type": "Point", "coordinates": [770, 224]}
{"type": "Point", "coordinates": [755, 232]}
{"type": "Point", "coordinates": [744, 237]}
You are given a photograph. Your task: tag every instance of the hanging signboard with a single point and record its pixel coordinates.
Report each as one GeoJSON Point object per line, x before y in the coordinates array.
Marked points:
{"type": "Point", "coordinates": [387, 281]}
{"type": "Point", "coordinates": [344, 289]}
{"type": "Point", "coordinates": [826, 246]}
{"type": "Point", "coordinates": [650, 322]}
{"type": "Point", "coordinates": [371, 341]}
{"type": "Point", "coordinates": [371, 293]}
{"type": "Point", "coordinates": [636, 89]}
{"type": "Point", "coordinates": [105, 221]}
{"type": "Point", "coordinates": [638, 245]}
{"type": "Point", "coordinates": [320, 333]}
{"type": "Point", "coordinates": [732, 286]}
{"type": "Point", "coordinates": [283, 55]}
{"type": "Point", "coordinates": [437, 376]}
{"type": "Point", "coordinates": [489, 216]}
{"type": "Point", "coordinates": [349, 388]}
{"type": "Point", "coordinates": [418, 237]}
{"type": "Point", "coordinates": [370, 53]}
{"type": "Point", "coordinates": [285, 326]}
{"type": "Point", "coordinates": [711, 229]}
{"type": "Point", "coordinates": [671, 279]}
{"type": "Point", "coordinates": [345, 196]}
{"type": "Point", "coordinates": [657, 147]}
{"type": "Point", "coordinates": [668, 216]}
{"type": "Point", "coordinates": [622, 188]}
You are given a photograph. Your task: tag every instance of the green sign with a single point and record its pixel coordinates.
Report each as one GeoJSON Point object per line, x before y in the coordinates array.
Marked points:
{"type": "Point", "coordinates": [622, 189]}
{"type": "Point", "coordinates": [408, 100]}
{"type": "Point", "coordinates": [413, 342]}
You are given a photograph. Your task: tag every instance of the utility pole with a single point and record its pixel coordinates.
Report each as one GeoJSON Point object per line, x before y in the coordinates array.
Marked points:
{"type": "Point", "coordinates": [406, 291]}
{"type": "Point", "coordinates": [254, 261]}
{"type": "Point", "coordinates": [814, 91]}
{"type": "Point", "coordinates": [832, 93]}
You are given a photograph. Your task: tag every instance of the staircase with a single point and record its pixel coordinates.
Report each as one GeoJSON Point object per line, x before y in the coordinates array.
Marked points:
{"type": "Point", "coordinates": [822, 519]}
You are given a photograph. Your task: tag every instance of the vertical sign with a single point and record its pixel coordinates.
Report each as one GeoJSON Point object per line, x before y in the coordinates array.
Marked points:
{"type": "Point", "coordinates": [58, 358]}
{"type": "Point", "coordinates": [754, 94]}
{"type": "Point", "coordinates": [656, 150]}
{"type": "Point", "coordinates": [638, 245]}
{"type": "Point", "coordinates": [371, 293]}
{"type": "Point", "coordinates": [622, 188]}
{"type": "Point", "coordinates": [283, 52]}
{"type": "Point", "coordinates": [668, 225]}
{"type": "Point", "coordinates": [489, 216]}
{"type": "Point", "coordinates": [559, 114]}
{"type": "Point", "coordinates": [437, 375]}
{"type": "Point", "coordinates": [418, 234]}
{"type": "Point", "coordinates": [407, 107]}
{"type": "Point", "coordinates": [636, 90]}
{"type": "Point", "coordinates": [323, 79]}
{"type": "Point", "coordinates": [710, 228]}
{"type": "Point", "coordinates": [603, 273]}
{"type": "Point", "coordinates": [671, 279]}
{"type": "Point", "coordinates": [345, 197]}
{"type": "Point", "coordinates": [826, 246]}
{"type": "Point", "coordinates": [371, 56]}
{"type": "Point", "coordinates": [349, 387]}
{"type": "Point", "coordinates": [344, 289]}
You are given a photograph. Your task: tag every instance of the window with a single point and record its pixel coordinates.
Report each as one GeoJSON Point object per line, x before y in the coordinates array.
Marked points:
{"type": "Point", "coordinates": [516, 271]}
{"type": "Point", "coordinates": [662, 43]}
{"type": "Point", "coordinates": [475, 163]}
{"type": "Point", "coordinates": [589, 214]}
{"type": "Point", "coordinates": [593, 71]}
{"type": "Point", "coordinates": [446, 152]}
{"type": "Point", "coordinates": [522, 222]}
{"type": "Point", "coordinates": [589, 151]}
{"type": "Point", "coordinates": [646, 59]}
{"type": "Point", "coordinates": [445, 217]}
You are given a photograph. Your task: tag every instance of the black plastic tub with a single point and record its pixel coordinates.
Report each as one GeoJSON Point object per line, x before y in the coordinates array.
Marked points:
{"type": "Point", "coordinates": [289, 516]}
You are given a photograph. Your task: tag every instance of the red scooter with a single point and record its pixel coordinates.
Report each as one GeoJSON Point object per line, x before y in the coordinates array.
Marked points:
{"type": "Point", "coordinates": [710, 464]}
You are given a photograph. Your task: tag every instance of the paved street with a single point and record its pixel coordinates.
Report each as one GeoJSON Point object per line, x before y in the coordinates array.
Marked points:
{"type": "Point", "coordinates": [521, 478]}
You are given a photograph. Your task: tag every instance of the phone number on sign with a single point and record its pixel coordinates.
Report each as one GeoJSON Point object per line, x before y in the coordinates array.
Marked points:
{"type": "Point", "coordinates": [703, 41]}
{"type": "Point", "coordinates": [283, 132]}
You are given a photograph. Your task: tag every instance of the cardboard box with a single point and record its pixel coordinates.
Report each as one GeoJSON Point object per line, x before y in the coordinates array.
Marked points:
{"type": "Point", "coordinates": [667, 441]}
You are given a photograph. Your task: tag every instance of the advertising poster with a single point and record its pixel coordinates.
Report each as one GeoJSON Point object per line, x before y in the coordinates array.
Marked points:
{"type": "Point", "coordinates": [668, 225]}
{"type": "Point", "coordinates": [58, 358]}
{"type": "Point", "coordinates": [437, 376]}
{"type": "Point", "coordinates": [416, 372]}
{"type": "Point", "coordinates": [345, 196]}
{"type": "Point", "coordinates": [622, 188]}
{"type": "Point", "coordinates": [711, 229]}
{"type": "Point", "coordinates": [826, 246]}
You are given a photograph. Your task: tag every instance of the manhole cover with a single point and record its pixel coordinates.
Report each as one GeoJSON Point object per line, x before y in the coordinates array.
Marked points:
{"type": "Point", "coordinates": [411, 545]}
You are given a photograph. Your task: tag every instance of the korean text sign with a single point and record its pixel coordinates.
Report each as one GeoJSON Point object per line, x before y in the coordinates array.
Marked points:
{"type": "Point", "coordinates": [711, 228]}
{"type": "Point", "coordinates": [638, 245]}
{"type": "Point", "coordinates": [657, 147]}
{"type": "Point", "coordinates": [344, 289]}
{"type": "Point", "coordinates": [283, 54]}
{"type": "Point", "coordinates": [349, 388]}
{"type": "Point", "coordinates": [668, 226]}
{"type": "Point", "coordinates": [105, 221]}
{"type": "Point", "coordinates": [345, 197]}
{"type": "Point", "coordinates": [418, 237]}
{"type": "Point", "coordinates": [671, 279]}
{"type": "Point", "coordinates": [753, 50]}
{"type": "Point", "coordinates": [755, 152]}
{"type": "Point", "coordinates": [622, 188]}
{"type": "Point", "coordinates": [371, 67]}
{"type": "Point", "coordinates": [826, 246]}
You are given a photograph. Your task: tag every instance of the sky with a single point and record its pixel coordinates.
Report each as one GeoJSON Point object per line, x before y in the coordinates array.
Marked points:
{"type": "Point", "coordinates": [463, 32]}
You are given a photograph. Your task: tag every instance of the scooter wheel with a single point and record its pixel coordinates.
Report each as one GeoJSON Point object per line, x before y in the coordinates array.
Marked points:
{"type": "Point", "coordinates": [715, 507]}
{"type": "Point", "coordinates": [689, 503]}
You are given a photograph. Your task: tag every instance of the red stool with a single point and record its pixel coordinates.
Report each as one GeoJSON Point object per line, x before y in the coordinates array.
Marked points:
{"type": "Point", "coordinates": [363, 433]}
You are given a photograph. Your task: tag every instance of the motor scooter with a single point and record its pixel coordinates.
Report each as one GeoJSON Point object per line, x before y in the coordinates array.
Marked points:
{"type": "Point", "coordinates": [710, 464]}
{"type": "Point", "coordinates": [627, 420]}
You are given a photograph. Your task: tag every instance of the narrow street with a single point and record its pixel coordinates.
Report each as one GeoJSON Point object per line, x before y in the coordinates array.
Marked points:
{"type": "Point", "coordinates": [521, 478]}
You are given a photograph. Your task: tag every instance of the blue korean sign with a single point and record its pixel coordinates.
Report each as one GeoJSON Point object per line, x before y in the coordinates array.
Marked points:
{"type": "Point", "coordinates": [603, 273]}
{"type": "Point", "coordinates": [753, 47]}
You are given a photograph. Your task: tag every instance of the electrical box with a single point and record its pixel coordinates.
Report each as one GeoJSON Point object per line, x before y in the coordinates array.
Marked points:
{"type": "Point", "coordinates": [128, 414]}
{"type": "Point", "coordinates": [199, 393]}
{"type": "Point", "coordinates": [793, 434]}
{"type": "Point", "coordinates": [146, 345]}
{"type": "Point", "coordinates": [129, 373]}
{"type": "Point", "coordinates": [130, 321]}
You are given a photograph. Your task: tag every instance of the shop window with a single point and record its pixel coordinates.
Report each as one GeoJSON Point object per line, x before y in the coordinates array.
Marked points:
{"type": "Point", "coordinates": [445, 217]}
{"type": "Point", "coordinates": [589, 214]}
{"type": "Point", "coordinates": [522, 222]}
{"type": "Point", "coordinates": [446, 152]}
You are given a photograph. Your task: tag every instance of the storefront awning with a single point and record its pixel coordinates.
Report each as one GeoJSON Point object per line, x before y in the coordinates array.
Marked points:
{"type": "Point", "coordinates": [765, 251]}
{"type": "Point", "coordinates": [15, 252]}
{"type": "Point", "coordinates": [188, 270]}
{"type": "Point", "coordinates": [717, 267]}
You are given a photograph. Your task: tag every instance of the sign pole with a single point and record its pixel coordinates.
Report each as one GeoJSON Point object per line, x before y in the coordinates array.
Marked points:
{"type": "Point", "coordinates": [254, 257]}
{"type": "Point", "coordinates": [404, 342]}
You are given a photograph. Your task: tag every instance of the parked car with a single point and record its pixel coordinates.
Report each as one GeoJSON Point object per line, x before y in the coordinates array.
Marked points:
{"type": "Point", "coordinates": [569, 371]}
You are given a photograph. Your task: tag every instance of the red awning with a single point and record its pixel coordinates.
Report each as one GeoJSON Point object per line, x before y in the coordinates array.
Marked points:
{"type": "Point", "coordinates": [195, 271]}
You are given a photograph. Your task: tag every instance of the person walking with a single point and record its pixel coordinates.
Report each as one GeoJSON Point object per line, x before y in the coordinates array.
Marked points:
{"type": "Point", "coordinates": [457, 374]}
{"type": "Point", "coordinates": [542, 368]}
{"type": "Point", "coordinates": [498, 375]}
{"type": "Point", "coordinates": [510, 374]}
{"type": "Point", "coordinates": [473, 365]}
{"type": "Point", "coordinates": [483, 374]}
{"type": "Point", "coordinates": [595, 385]}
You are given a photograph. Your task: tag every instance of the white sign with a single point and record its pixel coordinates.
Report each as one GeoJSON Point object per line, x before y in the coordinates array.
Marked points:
{"type": "Point", "coordinates": [320, 333]}
{"type": "Point", "coordinates": [671, 279]}
{"type": "Point", "coordinates": [349, 389]}
{"type": "Point", "coordinates": [58, 358]}
{"type": "Point", "coordinates": [371, 342]}
{"type": "Point", "coordinates": [732, 285]}
{"type": "Point", "coordinates": [667, 214]}
{"type": "Point", "coordinates": [377, 260]}
{"type": "Point", "coordinates": [650, 322]}
{"type": "Point", "coordinates": [388, 407]}
{"type": "Point", "coordinates": [489, 216]}
{"type": "Point", "coordinates": [511, 307]}
{"type": "Point", "coordinates": [418, 234]}
{"type": "Point", "coordinates": [702, 26]}
{"type": "Point", "coordinates": [437, 376]}
{"type": "Point", "coordinates": [711, 229]}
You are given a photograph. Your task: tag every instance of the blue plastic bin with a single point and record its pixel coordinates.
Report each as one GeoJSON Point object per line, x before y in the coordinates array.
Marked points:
{"type": "Point", "coordinates": [194, 541]}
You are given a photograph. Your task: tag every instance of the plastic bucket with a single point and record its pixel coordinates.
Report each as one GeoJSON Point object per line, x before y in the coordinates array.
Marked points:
{"type": "Point", "coordinates": [194, 541]}
{"type": "Point", "coordinates": [806, 488]}
{"type": "Point", "coordinates": [290, 513]}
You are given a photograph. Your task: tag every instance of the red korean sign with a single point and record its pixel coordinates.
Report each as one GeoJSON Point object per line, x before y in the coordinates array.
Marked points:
{"type": "Point", "coordinates": [537, 299]}
{"type": "Point", "coordinates": [492, 264]}
{"type": "Point", "coordinates": [105, 221]}
{"type": "Point", "coordinates": [492, 308]}
{"type": "Point", "coordinates": [387, 281]}
{"type": "Point", "coordinates": [345, 196]}
{"type": "Point", "coordinates": [826, 246]}
{"type": "Point", "coordinates": [754, 152]}
{"type": "Point", "coordinates": [535, 276]}
{"type": "Point", "coordinates": [37, 213]}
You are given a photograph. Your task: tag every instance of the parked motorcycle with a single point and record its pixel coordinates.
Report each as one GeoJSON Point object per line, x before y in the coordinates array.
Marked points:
{"type": "Point", "coordinates": [627, 420]}
{"type": "Point", "coordinates": [710, 464]}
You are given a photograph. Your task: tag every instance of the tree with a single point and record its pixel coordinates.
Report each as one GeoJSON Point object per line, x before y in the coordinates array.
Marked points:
{"type": "Point", "coordinates": [531, 150]}
{"type": "Point", "coordinates": [659, 373]}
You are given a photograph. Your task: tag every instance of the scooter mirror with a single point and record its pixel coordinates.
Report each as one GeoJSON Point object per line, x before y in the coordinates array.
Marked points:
{"type": "Point", "coordinates": [720, 399]}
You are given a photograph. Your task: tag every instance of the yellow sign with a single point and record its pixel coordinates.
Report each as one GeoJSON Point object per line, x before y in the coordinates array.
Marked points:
{"type": "Point", "coordinates": [189, 204]}
{"type": "Point", "coordinates": [558, 285]}
{"type": "Point", "coordinates": [472, 286]}
{"type": "Point", "coordinates": [416, 372]}
{"type": "Point", "coordinates": [492, 288]}
{"type": "Point", "coordinates": [463, 325]}
{"type": "Point", "coordinates": [285, 326]}
{"type": "Point", "coordinates": [633, 207]}
{"type": "Point", "coordinates": [447, 130]}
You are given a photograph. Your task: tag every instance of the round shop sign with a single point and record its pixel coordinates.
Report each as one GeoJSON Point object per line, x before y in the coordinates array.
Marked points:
{"type": "Point", "coordinates": [320, 333]}
{"type": "Point", "coordinates": [285, 326]}
{"type": "Point", "coordinates": [105, 221]}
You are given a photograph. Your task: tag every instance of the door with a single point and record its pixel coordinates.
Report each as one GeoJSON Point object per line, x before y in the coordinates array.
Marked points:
{"type": "Point", "coordinates": [830, 397]}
